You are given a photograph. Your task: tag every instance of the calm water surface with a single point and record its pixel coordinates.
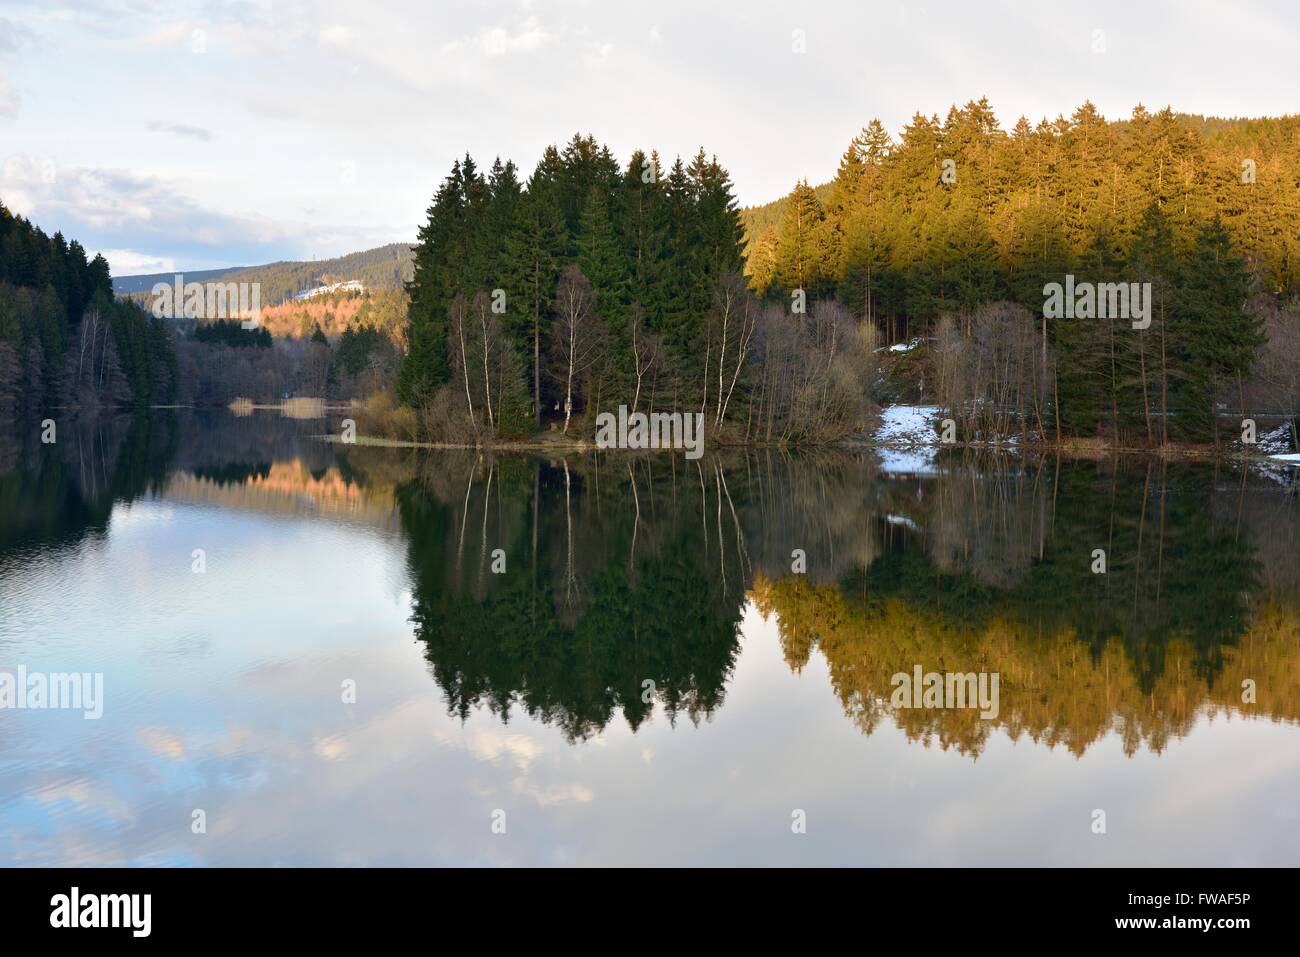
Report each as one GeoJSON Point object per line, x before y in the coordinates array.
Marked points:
{"type": "Point", "coordinates": [382, 650]}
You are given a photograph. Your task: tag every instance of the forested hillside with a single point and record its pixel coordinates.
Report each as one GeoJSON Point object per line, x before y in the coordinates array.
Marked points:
{"type": "Point", "coordinates": [922, 235]}
{"type": "Point", "coordinates": [382, 268]}
{"type": "Point", "coordinates": [65, 341]}
{"type": "Point", "coordinates": [1080, 173]}
{"type": "Point", "coordinates": [335, 313]}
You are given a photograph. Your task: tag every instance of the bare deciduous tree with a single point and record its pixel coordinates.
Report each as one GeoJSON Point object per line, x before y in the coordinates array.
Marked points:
{"type": "Point", "coordinates": [814, 374]}
{"type": "Point", "coordinates": [732, 324]}
{"type": "Point", "coordinates": [990, 370]}
{"type": "Point", "coordinates": [1277, 377]}
{"type": "Point", "coordinates": [647, 351]}
{"type": "Point", "coordinates": [579, 338]}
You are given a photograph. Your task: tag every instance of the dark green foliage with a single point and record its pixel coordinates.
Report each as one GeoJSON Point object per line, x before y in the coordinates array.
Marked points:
{"type": "Point", "coordinates": [572, 634]}
{"type": "Point", "coordinates": [145, 352]}
{"type": "Point", "coordinates": [355, 347]}
{"type": "Point", "coordinates": [30, 258]}
{"type": "Point", "coordinates": [47, 288]}
{"type": "Point", "coordinates": [641, 238]}
{"type": "Point", "coordinates": [231, 332]}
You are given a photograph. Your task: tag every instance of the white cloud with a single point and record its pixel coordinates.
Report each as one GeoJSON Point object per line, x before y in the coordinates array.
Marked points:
{"type": "Point", "coordinates": [12, 35]}
{"type": "Point", "coordinates": [177, 33]}
{"type": "Point", "coordinates": [599, 54]}
{"type": "Point", "coordinates": [335, 35]}
{"type": "Point", "coordinates": [546, 795]}
{"type": "Point", "coordinates": [9, 99]}
{"type": "Point", "coordinates": [499, 41]}
{"type": "Point", "coordinates": [16, 201]}
{"type": "Point", "coordinates": [180, 129]}
{"type": "Point", "coordinates": [128, 262]}
{"type": "Point", "coordinates": [489, 744]}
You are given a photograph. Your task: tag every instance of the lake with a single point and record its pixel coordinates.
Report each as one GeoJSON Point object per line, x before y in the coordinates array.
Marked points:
{"type": "Point", "coordinates": [323, 654]}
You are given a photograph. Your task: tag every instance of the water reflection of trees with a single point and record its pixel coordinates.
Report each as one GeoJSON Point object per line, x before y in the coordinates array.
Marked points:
{"type": "Point", "coordinates": [618, 571]}
{"type": "Point", "coordinates": [995, 575]}
{"type": "Point", "coordinates": [627, 568]}
{"type": "Point", "coordinates": [58, 494]}
{"type": "Point", "coordinates": [55, 495]}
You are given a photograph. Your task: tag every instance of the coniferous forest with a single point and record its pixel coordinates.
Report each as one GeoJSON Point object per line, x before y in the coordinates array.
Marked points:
{"type": "Point", "coordinates": [922, 235]}
{"type": "Point", "coordinates": [589, 284]}
{"type": "Point", "coordinates": [918, 274]}
{"type": "Point", "coordinates": [65, 341]}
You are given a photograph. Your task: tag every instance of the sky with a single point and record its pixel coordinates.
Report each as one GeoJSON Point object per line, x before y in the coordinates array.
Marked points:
{"type": "Point", "coordinates": [209, 133]}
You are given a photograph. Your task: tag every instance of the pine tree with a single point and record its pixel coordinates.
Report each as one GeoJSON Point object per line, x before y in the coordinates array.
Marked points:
{"type": "Point", "coordinates": [431, 290]}
{"type": "Point", "coordinates": [643, 228]}
{"type": "Point", "coordinates": [799, 255]}
{"type": "Point", "coordinates": [537, 251]}
{"type": "Point", "coordinates": [1222, 337]}
{"type": "Point", "coordinates": [1152, 259]}
{"type": "Point", "coordinates": [601, 259]}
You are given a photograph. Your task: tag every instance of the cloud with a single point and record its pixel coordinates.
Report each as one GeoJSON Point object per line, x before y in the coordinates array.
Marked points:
{"type": "Point", "coordinates": [127, 210]}
{"type": "Point", "coordinates": [489, 744]}
{"type": "Point", "coordinates": [500, 41]}
{"type": "Point", "coordinates": [332, 747]}
{"type": "Point", "coordinates": [162, 742]}
{"type": "Point", "coordinates": [9, 99]}
{"type": "Point", "coordinates": [174, 34]}
{"type": "Point", "coordinates": [335, 35]}
{"type": "Point", "coordinates": [546, 795]}
{"type": "Point", "coordinates": [181, 129]}
{"type": "Point", "coordinates": [598, 54]}
{"type": "Point", "coordinates": [12, 36]}
{"type": "Point", "coordinates": [128, 262]}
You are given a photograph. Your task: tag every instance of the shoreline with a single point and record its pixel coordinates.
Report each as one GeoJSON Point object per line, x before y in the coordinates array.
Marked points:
{"type": "Point", "coordinates": [1078, 450]}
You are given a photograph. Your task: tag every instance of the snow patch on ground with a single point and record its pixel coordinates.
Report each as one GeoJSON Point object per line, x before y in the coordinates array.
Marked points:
{"type": "Point", "coordinates": [1292, 457]}
{"type": "Point", "coordinates": [907, 438]}
{"type": "Point", "coordinates": [900, 346]}
{"type": "Point", "coordinates": [907, 425]}
{"type": "Point", "coordinates": [1277, 441]}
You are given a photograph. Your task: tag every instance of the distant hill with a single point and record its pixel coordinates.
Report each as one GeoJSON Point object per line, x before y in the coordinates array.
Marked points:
{"type": "Point", "coordinates": [384, 268]}
{"type": "Point", "coordinates": [125, 285]}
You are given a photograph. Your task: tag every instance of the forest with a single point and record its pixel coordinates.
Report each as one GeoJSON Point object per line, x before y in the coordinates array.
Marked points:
{"type": "Point", "coordinates": [588, 285]}
{"type": "Point", "coordinates": [533, 303]}
{"type": "Point", "coordinates": [65, 340]}
{"type": "Point", "coordinates": [947, 236]}
{"type": "Point", "coordinates": [591, 285]}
